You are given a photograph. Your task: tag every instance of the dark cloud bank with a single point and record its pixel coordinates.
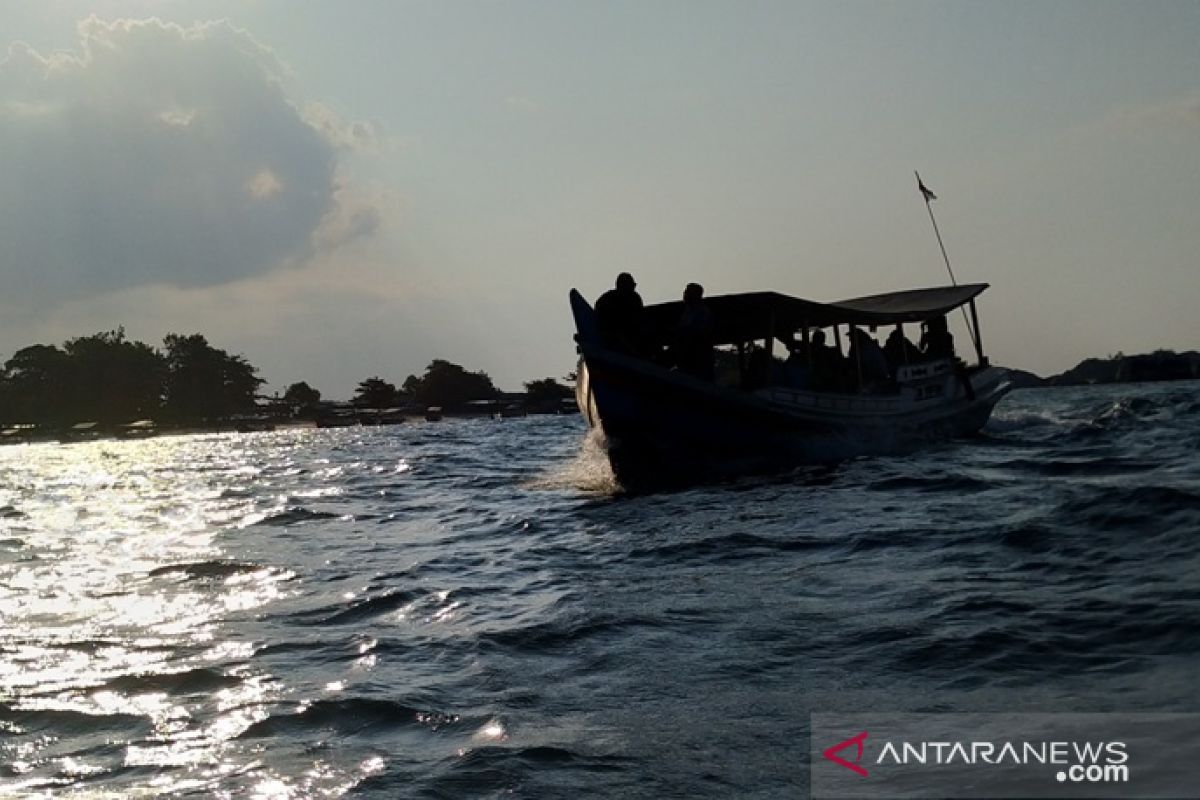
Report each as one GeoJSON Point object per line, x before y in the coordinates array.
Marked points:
{"type": "Point", "coordinates": [158, 154]}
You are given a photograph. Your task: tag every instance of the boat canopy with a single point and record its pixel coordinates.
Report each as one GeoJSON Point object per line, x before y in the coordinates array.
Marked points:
{"type": "Point", "coordinates": [759, 315]}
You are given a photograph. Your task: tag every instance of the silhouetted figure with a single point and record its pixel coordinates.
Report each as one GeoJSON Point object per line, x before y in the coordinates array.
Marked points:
{"type": "Point", "coordinates": [867, 359]}
{"type": "Point", "coordinates": [937, 341]}
{"type": "Point", "coordinates": [899, 350]}
{"type": "Point", "coordinates": [694, 336]}
{"type": "Point", "coordinates": [619, 317]}
{"type": "Point", "coordinates": [758, 370]}
{"type": "Point", "coordinates": [797, 370]}
{"type": "Point", "coordinates": [827, 362]}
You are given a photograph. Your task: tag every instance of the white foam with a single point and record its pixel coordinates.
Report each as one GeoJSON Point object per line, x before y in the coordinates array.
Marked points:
{"type": "Point", "coordinates": [587, 471]}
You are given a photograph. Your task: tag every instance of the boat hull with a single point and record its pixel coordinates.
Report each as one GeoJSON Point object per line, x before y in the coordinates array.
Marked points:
{"type": "Point", "coordinates": [662, 427]}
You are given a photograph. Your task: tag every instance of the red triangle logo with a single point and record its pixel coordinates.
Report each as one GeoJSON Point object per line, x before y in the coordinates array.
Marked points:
{"type": "Point", "coordinates": [832, 753]}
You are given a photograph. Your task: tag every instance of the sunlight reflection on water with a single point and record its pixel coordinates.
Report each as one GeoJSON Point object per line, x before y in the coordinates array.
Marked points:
{"type": "Point", "coordinates": [112, 607]}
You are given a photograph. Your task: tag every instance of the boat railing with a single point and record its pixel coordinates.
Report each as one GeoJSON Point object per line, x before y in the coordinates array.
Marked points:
{"type": "Point", "coordinates": [827, 401]}
{"type": "Point", "coordinates": [912, 373]}
{"type": "Point", "coordinates": [914, 383]}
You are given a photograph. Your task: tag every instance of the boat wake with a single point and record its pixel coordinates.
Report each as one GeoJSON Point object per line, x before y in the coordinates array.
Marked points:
{"type": "Point", "coordinates": [1007, 421]}
{"type": "Point", "coordinates": [587, 471]}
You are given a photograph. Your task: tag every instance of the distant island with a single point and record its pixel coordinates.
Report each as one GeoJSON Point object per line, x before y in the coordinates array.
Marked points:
{"type": "Point", "coordinates": [1161, 365]}
{"type": "Point", "coordinates": [109, 385]}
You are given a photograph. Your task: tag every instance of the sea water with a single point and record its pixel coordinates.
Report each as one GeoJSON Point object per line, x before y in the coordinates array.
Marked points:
{"type": "Point", "coordinates": [467, 609]}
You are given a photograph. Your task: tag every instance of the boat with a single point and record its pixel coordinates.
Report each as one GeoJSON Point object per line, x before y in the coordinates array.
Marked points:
{"type": "Point", "coordinates": [381, 416]}
{"type": "Point", "coordinates": [336, 417]}
{"type": "Point", "coordinates": [252, 423]}
{"type": "Point", "coordinates": [138, 429]}
{"type": "Point", "coordinates": [660, 425]}
{"type": "Point", "coordinates": [512, 410]}
{"type": "Point", "coordinates": [81, 432]}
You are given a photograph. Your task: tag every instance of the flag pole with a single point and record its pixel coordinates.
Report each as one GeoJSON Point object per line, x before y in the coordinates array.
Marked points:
{"type": "Point", "coordinates": [930, 196]}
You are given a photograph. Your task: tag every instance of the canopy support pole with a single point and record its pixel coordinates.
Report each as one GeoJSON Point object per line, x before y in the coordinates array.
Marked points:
{"type": "Point", "coordinates": [856, 346]}
{"type": "Point", "coordinates": [770, 343]}
{"type": "Point", "coordinates": [978, 336]}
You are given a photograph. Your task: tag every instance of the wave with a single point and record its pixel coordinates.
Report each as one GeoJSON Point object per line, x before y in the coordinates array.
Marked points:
{"type": "Point", "coordinates": [1004, 421]}
{"type": "Point", "coordinates": [1124, 413]}
{"type": "Point", "coordinates": [1078, 465]}
{"type": "Point", "coordinates": [367, 608]}
{"type": "Point", "coordinates": [551, 635]}
{"type": "Point", "coordinates": [294, 516]}
{"type": "Point", "coordinates": [1014, 653]}
{"type": "Point", "coordinates": [1151, 508]}
{"type": "Point", "coordinates": [479, 771]}
{"type": "Point", "coordinates": [207, 569]}
{"type": "Point", "coordinates": [1030, 536]}
{"type": "Point", "coordinates": [931, 483]}
{"type": "Point", "coordinates": [192, 681]}
{"type": "Point", "coordinates": [67, 722]}
{"type": "Point", "coordinates": [350, 716]}
{"type": "Point", "coordinates": [1124, 410]}
{"type": "Point", "coordinates": [726, 547]}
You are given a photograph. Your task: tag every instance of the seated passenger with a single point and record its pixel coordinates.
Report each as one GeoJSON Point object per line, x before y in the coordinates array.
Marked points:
{"type": "Point", "coordinates": [797, 369]}
{"type": "Point", "coordinates": [937, 341]}
{"type": "Point", "coordinates": [899, 350]}
{"type": "Point", "coordinates": [867, 358]}
{"type": "Point", "coordinates": [827, 363]}
{"type": "Point", "coordinates": [758, 369]}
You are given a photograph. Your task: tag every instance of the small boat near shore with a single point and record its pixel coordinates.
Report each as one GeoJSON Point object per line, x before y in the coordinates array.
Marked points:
{"type": "Point", "coordinates": [662, 425]}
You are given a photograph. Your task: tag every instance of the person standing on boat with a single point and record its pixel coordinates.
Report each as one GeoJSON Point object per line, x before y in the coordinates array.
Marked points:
{"type": "Point", "coordinates": [937, 341]}
{"type": "Point", "coordinates": [619, 316]}
{"type": "Point", "coordinates": [694, 337]}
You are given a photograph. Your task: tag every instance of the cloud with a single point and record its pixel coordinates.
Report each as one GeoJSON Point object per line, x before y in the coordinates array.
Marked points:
{"type": "Point", "coordinates": [162, 154]}
{"type": "Point", "coordinates": [358, 135]}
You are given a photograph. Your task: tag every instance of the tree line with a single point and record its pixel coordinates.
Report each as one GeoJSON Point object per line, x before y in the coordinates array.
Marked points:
{"type": "Point", "coordinates": [444, 384]}
{"type": "Point", "coordinates": [110, 379]}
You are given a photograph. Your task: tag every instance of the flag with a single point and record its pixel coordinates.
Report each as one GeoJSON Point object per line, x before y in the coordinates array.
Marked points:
{"type": "Point", "coordinates": [928, 195]}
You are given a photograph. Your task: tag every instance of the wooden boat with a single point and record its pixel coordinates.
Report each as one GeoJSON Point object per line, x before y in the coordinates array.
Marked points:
{"type": "Point", "coordinates": [661, 424]}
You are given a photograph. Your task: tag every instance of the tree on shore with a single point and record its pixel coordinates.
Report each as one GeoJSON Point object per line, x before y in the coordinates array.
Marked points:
{"type": "Point", "coordinates": [35, 383]}
{"type": "Point", "coordinates": [100, 378]}
{"type": "Point", "coordinates": [302, 398]}
{"type": "Point", "coordinates": [375, 392]}
{"type": "Point", "coordinates": [206, 383]}
{"type": "Point", "coordinates": [112, 379]}
{"type": "Point", "coordinates": [546, 394]}
{"type": "Point", "coordinates": [449, 385]}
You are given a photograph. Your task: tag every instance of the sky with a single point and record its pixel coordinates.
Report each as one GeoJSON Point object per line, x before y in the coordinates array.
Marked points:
{"type": "Point", "coordinates": [343, 190]}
